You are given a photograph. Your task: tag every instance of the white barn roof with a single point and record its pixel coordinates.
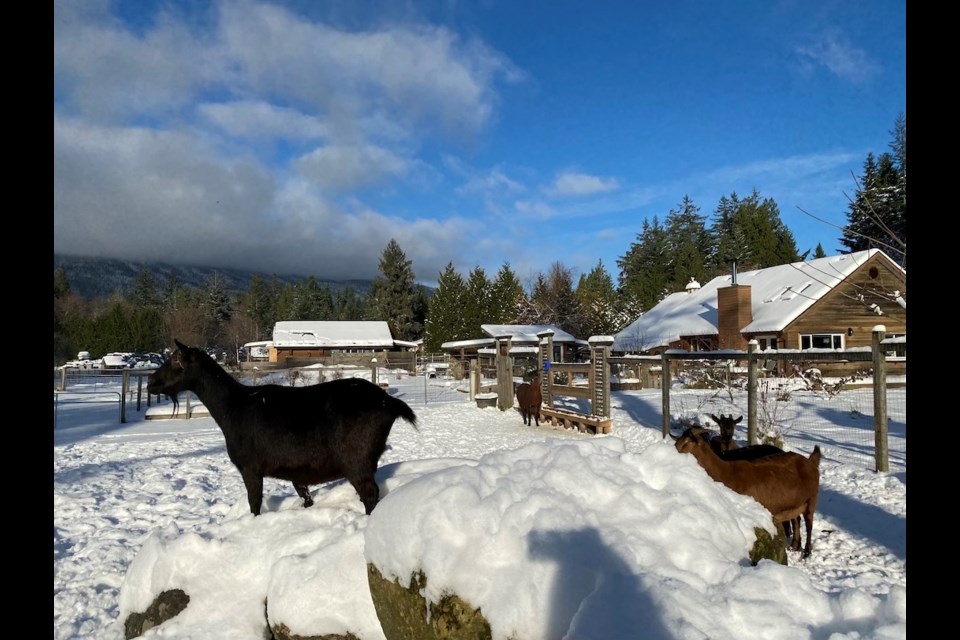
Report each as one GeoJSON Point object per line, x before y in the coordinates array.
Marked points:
{"type": "Point", "coordinates": [334, 334]}
{"type": "Point", "coordinates": [779, 295]}
{"type": "Point", "coordinates": [519, 333]}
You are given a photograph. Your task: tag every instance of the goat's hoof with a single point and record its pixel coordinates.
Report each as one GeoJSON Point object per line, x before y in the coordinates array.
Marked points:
{"type": "Point", "coordinates": [307, 503]}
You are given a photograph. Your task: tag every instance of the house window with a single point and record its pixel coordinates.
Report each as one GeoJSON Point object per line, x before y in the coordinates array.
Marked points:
{"type": "Point", "coordinates": [821, 341]}
{"type": "Point", "coordinates": [766, 342]}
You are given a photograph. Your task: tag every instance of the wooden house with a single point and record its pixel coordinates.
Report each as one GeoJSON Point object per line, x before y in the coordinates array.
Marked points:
{"type": "Point", "coordinates": [829, 303]}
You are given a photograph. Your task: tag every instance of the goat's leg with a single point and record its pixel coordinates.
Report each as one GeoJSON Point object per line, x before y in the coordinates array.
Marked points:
{"type": "Point", "coordinates": [808, 519]}
{"type": "Point", "coordinates": [368, 491]}
{"type": "Point", "coordinates": [254, 483]}
{"type": "Point", "coordinates": [304, 492]}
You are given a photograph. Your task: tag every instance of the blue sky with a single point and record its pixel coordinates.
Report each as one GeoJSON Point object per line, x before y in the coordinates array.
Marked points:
{"type": "Point", "coordinates": [300, 137]}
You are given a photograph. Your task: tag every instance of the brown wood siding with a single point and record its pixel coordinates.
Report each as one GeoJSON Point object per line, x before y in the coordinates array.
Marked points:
{"type": "Point", "coordinates": [842, 308]}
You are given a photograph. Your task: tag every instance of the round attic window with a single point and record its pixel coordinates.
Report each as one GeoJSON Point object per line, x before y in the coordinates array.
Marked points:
{"type": "Point", "coordinates": [874, 272]}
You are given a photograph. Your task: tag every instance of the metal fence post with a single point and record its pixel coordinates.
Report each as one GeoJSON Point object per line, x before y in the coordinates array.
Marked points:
{"type": "Point", "coordinates": [881, 449]}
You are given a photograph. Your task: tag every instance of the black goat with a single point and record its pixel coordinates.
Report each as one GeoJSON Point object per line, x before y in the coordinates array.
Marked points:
{"type": "Point", "coordinates": [728, 427]}
{"type": "Point", "coordinates": [307, 435]}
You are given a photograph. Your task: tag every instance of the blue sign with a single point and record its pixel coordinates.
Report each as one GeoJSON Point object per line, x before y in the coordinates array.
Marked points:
{"type": "Point", "coordinates": [546, 365]}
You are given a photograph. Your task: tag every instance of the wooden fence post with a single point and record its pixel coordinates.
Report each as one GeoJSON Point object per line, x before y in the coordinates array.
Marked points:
{"type": "Point", "coordinates": [751, 392]}
{"type": "Point", "coordinates": [665, 390]}
{"type": "Point", "coordinates": [600, 375]}
{"type": "Point", "coordinates": [881, 449]}
{"type": "Point", "coordinates": [504, 373]}
{"type": "Point", "coordinates": [544, 356]}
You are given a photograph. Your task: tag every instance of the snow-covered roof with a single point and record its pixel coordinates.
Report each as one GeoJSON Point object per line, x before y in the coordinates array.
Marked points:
{"type": "Point", "coordinates": [779, 296]}
{"type": "Point", "coordinates": [336, 334]}
{"type": "Point", "coordinates": [527, 332]}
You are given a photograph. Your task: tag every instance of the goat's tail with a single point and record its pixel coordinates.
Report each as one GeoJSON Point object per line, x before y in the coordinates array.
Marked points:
{"type": "Point", "coordinates": [402, 410]}
{"type": "Point", "coordinates": [815, 456]}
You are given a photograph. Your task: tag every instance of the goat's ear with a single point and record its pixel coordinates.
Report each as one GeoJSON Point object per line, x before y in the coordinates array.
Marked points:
{"type": "Point", "coordinates": [715, 418]}
{"type": "Point", "coordinates": [179, 344]}
{"type": "Point", "coordinates": [674, 437]}
{"type": "Point", "coordinates": [738, 420]}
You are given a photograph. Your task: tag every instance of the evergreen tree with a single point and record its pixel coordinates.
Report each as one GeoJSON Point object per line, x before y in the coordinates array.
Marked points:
{"type": "Point", "coordinates": [690, 245]}
{"type": "Point", "coordinates": [644, 269]}
{"type": "Point", "coordinates": [61, 285]}
{"type": "Point", "coordinates": [507, 297]}
{"type": "Point", "coordinates": [445, 318]}
{"type": "Point", "coordinates": [877, 216]}
{"type": "Point", "coordinates": [259, 305]}
{"type": "Point", "coordinates": [819, 252]}
{"type": "Point", "coordinates": [393, 295]}
{"type": "Point", "coordinates": [599, 301]}
{"type": "Point", "coordinates": [349, 305]}
{"type": "Point", "coordinates": [553, 301]}
{"type": "Point", "coordinates": [311, 301]}
{"type": "Point", "coordinates": [216, 308]}
{"type": "Point", "coordinates": [476, 302]}
{"type": "Point", "coordinates": [750, 232]}
{"type": "Point", "coordinates": [144, 294]}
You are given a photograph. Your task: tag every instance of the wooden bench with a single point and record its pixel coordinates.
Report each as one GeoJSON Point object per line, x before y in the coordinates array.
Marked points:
{"type": "Point", "coordinates": [569, 419]}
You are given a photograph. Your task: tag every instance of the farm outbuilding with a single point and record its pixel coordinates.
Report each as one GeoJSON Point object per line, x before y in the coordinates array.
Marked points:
{"type": "Point", "coordinates": [300, 340]}
{"type": "Point", "coordinates": [829, 303]}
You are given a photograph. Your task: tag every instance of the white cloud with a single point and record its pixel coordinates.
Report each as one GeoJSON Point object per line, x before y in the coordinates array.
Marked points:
{"type": "Point", "coordinates": [834, 51]}
{"type": "Point", "coordinates": [494, 182]}
{"type": "Point", "coordinates": [342, 168]}
{"type": "Point", "coordinates": [572, 184]}
{"type": "Point", "coordinates": [256, 119]}
{"type": "Point", "coordinates": [535, 209]}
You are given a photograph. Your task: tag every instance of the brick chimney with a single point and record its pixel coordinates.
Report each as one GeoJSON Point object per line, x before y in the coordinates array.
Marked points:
{"type": "Point", "coordinates": [734, 312]}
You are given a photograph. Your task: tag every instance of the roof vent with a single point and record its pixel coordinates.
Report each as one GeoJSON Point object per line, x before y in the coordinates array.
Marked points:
{"type": "Point", "coordinates": [692, 286]}
{"type": "Point", "coordinates": [733, 273]}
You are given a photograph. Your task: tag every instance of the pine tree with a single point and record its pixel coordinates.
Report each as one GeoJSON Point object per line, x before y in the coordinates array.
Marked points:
{"type": "Point", "coordinates": [819, 252]}
{"type": "Point", "coordinates": [877, 216]}
{"type": "Point", "coordinates": [507, 297]}
{"type": "Point", "coordinates": [259, 305]}
{"type": "Point", "coordinates": [749, 231]}
{"type": "Point", "coordinates": [644, 274]}
{"type": "Point", "coordinates": [476, 301]}
{"type": "Point", "coordinates": [599, 301]}
{"type": "Point", "coordinates": [445, 320]}
{"type": "Point", "coordinates": [61, 285]}
{"type": "Point", "coordinates": [553, 301]}
{"type": "Point", "coordinates": [393, 295]}
{"type": "Point", "coordinates": [216, 308]}
{"type": "Point", "coordinates": [690, 245]}
{"type": "Point", "coordinates": [144, 294]}
{"type": "Point", "coordinates": [349, 305]}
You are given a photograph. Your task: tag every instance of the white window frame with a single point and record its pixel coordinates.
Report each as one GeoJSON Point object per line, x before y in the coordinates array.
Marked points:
{"type": "Point", "coordinates": [835, 338]}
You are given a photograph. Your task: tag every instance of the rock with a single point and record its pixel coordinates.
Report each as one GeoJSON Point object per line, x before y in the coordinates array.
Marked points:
{"type": "Point", "coordinates": [769, 547]}
{"type": "Point", "coordinates": [403, 612]}
{"type": "Point", "coordinates": [281, 632]}
{"type": "Point", "coordinates": [166, 605]}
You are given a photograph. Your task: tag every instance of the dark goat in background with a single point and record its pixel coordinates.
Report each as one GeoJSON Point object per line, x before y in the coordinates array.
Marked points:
{"type": "Point", "coordinates": [728, 427]}
{"type": "Point", "coordinates": [529, 398]}
{"type": "Point", "coordinates": [307, 435]}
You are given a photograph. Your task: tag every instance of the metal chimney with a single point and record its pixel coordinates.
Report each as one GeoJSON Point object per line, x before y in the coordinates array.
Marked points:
{"type": "Point", "coordinates": [733, 274]}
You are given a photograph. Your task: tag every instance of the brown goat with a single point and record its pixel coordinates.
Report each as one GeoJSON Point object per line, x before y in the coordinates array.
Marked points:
{"type": "Point", "coordinates": [787, 484]}
{"type": "Point", "coordinates": [750, 452]}
{"type": "Point", "coordinates": [529, 398]}
{"type": "Point", "coordinates": [728, 426]}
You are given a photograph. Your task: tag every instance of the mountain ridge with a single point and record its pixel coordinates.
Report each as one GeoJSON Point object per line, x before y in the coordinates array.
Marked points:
{"type": "Point", "coordinates": [91, 277]}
